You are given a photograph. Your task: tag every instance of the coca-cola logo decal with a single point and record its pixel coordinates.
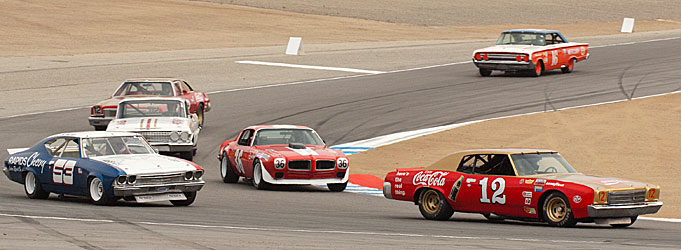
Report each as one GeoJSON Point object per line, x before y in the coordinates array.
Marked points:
{"type": "Point", "coordinates": [430, 178]}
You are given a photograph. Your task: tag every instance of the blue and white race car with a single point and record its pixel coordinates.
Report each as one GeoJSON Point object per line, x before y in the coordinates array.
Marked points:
{"type": "Point", "coordinates": [105, 167]}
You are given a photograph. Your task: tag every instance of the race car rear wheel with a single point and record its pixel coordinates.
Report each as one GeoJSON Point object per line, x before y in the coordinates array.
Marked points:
{"type": "Point", "coordinates": [258, 182]}
{"type": "Point", "coordinates": [569, 67]}
{"type": "Point", "coordinates": [538, 69]}
{"type": "Point", "coordinates": [557, 212]}
{"type": "Point", "coordinates": [97, 194]}
{"type": "Point", "coordinates": [434, 206]}
{"type": "Point", "coordinates": [337, 187]}
{"type": "Point", "coordinates": [199, 113]}
{"type": "Point", "coordinates": [191, 196]}
{"type": "Point", "coordinates": [33, 188]}
{"type": "Point", "coordinates": [633, 219]}
{"type": "Point", "coordinates": [485, 72]}
{"type": "Point", "coordinates": [226, 171]}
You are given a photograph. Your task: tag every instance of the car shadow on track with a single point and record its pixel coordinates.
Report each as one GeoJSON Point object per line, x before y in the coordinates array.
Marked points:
{"type": "Point", "coordinates": [512, 222]}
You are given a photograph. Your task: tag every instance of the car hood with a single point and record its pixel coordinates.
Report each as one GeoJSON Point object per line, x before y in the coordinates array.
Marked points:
{"type": "Point", "coordinates": [597, 183]}
{"type": "Point", "coordinates": [113, 101]}
{"type": "Point", "coordinates": [310, 152]}
{"type": "Point", "coordinates": [151, 124]}
{"type": "Point", "coordinates": [146, 164]}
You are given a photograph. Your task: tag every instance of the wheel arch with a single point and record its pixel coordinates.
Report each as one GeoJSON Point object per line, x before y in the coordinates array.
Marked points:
{"type": "Point", "coordinates": [421, 189]}
{"type": "Point", "coordinates": [542, 199]}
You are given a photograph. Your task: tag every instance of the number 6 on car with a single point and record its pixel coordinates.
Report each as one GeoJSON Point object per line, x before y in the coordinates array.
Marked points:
{"type": "Point", "coordinates": [530, 184]}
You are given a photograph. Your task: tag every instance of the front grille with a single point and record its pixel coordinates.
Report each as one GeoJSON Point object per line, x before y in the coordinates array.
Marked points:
{"type": "Point", "coordinates": [502, 57]}
{"type": "Point", "coordinates": [325, 164]}
{"type": "Point", "coordinates": [299, 165]}
{"type": "Point", "coordinates": [109, 112]}
{"type": "Point", "coordinates": [626, 197]}
{"type": "Point", "coordinates": [156, 136]}
{"type": "Point", "coordinates": [160, 179]}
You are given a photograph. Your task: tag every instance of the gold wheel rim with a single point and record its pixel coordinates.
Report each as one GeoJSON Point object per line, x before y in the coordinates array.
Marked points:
{"type": "Point", "coordinates": [431, 202]}
{"type": "Point", "coordinates": [556, 209]}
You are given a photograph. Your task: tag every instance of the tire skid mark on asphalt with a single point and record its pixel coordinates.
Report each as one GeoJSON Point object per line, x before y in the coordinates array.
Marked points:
{"type": "Point", "coordinates": [59, 235]}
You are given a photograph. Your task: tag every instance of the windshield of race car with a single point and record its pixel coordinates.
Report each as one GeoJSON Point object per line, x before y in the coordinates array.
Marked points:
{"type": "Point", "coordinates": [124, 145]}
{"type": "Point", "coordinates": [517, 38]}
{"type": "Point", "coordinates": [151, 108]}
{"type": "Point", "coordinates": [286, 136]}
{"type": "Point", "coordinates": [145, 88]}
{"type": "Point", "coordinates": [542, 163]}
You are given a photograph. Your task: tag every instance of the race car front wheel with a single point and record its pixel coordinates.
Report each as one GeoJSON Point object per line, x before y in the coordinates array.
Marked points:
{"type": "Point", "coordinates": [557, 212]}
{"type": "Point", "coordinates": [199, 113]}
{"type": "Point", "coordinates": [33, 188]}
{"type": "Point", "coordinates": [97, 194]}
{"type": "Point", "coordinates": [226, 171]}
{"type": "Point", "coordinates": [191, 196]}
{"type": "Point", "coordinates": [569, 67]}
{"type": "Point", "coordinates": [434, 206]}
{"type": "Point", "coordinates": [258, 182]}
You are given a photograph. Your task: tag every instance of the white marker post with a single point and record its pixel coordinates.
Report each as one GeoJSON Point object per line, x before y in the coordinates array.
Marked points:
{"type": "Point", "coordinates": [295, 46]}
{"type": "Point", "coordinates": [627, 25]}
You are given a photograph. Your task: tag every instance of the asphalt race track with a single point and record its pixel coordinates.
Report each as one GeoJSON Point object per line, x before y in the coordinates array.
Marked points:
{"type": "Point", "coordinates": [230, 216]}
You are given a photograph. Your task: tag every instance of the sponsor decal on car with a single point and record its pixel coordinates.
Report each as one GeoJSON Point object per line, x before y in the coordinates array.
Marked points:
{"type": "Point", "coordinates": [27, 161]}
{"type": "Point", "coordinates": [528, 201]}
{"type": "Point", "coordinates": [522, 181]}
{"type": "Point", "coordinates": [555, 184]}
{"type": "Point", "coordinates": [398, 185]}
{"type": "Point", "coordinates": [400, 192]}
{"type": "Point", "coordinates": [398, 179]}
{"type": "Point", "coordinates": [540, 182]}
{"type": "Point", "coordinates": [529, 181]}
{"type": "Point", "coordinates": [402, 174]}
{"type": "Point", "coordinates": [577, 199]}
{"type": "Point", "coordinates": [430, 178]}
{"type": "Point", "coordinates": [530, 210]}
{"type": "Point", "coordinates": [538, 188]}
{"type": "Point", "coordinates": [612, 182]}
{"type": "Point", "coordinates": [527, 194]}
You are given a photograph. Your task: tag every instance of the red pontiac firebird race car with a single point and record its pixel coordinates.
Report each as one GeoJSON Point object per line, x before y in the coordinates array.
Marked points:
{"type": "Point", "coordinates": [105, 111]}
{"type": "Point", "coordinates": [282, 154]}
{"type": "Point", "coordinates": [525, 184]}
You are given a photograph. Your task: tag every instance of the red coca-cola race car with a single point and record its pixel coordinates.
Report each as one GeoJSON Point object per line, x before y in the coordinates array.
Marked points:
{"type": "Point", "coordinates": [526, 184]}
{"type": "Point", "coordinates": [282, 154]}
{"type": "Point", "coordinates": [103, 112]}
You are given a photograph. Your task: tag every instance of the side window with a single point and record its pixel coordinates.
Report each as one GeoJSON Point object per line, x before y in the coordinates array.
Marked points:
{"type": "Point", "coordinates": [497, 164]}
{"type": "Point", "coordinates": [178, 90]}
{"type": "Point", "coordinates": [557, 39]}
{"type": "Point", "coordinates": [245, 138]}
{"type": "Point", "coordinates": [467, 164]}
{"type": "Point", "coordinates": [55, 146]}
{"type": "Point", "coordinates": [71, 149]}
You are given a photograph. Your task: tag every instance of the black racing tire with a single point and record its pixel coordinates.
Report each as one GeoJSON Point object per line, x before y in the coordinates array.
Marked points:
{"type": "Point", "coordinates": [258, 181]}
{"type": "Point", "coordinates": [434, 206]}
{"type": "Point", "coordinates": [633, 219]}
{"type": "Point", "coordinates": [538, 69]}
{"type": "Point", "coordinates": [200, 115]}
{"type": "Point", "coordinates": [227, 171]}
{"type": "Point", "coordinates": [337, 187]}
{"type": "Point", "coordinates": [191, 197]}
{"type": "Point", "coordinates": [485, 72]}
{"type": "Point", "coordinates": [97, 194]}
{"type": "Point", "coordinates": [33, 188]}
{"type": "Point", "coordinates": [100, 128]}
{"type": "Point", "coordinates": [557, 212]}
{"type": "Point", "coordinates": [188, 155]}
{"type": "Point", "coordinates": [568, 68]}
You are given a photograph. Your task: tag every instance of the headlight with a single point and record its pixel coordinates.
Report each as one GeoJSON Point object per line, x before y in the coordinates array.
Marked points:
{"type": "Point", "coordinates": [121, 179]}
{"type": "Point", "coordinates": [279, 163]}
{"type": "Point", "coordinates": [342, 163]}
{"type": "Point", "coordinates": [174, 136]}
{"type": "Point", "coordinates": [132, 179]}
{"type": "Point", "coordinates": [188, 175]}
{"type": "Point", "coordinates": [184, 136]}
{"type": "Point", "coordinates": [198, 174]}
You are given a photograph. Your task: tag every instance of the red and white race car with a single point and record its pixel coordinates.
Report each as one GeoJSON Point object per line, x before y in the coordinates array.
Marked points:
{"type": "Point", "coordinates": [282, 154]}
{"type": "Point", "coordinates": [526, 184]}
{"type": "Point", "coordinates": [531, 50]}
{"type": "Point", "coordinates": [103, 112]}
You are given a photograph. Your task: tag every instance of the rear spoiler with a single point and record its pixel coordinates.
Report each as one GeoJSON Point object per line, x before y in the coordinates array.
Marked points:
{"type": "Point", "coordinates": [16, 150]}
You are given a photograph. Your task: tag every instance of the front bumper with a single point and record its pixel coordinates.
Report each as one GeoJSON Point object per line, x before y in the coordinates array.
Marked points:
{"type": "Point", "coordinates": [169, 148]}
{"type": "Point", "coordinates": [268, 178]}
{"type": "Point", "coordinates": [386, 190]}
{"type": "Point", "coordinates": [504, 65]}
{"type": "Point", "coordinates": [149, 189]}
{"type": "Point", "coordinates": [5, 170]}
{"type": "Point", "coordinates": [600, 211]}
{"type": "Point", "coordinates": [207, 107]}
{"type": "Point", "coordinates": [99, 120]}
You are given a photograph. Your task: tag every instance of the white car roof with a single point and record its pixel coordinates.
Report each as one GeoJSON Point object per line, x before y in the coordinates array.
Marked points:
{"type": "Point", "coordinates": [179, 99]}
{"type": "Point", "coordinates": [94, 134]}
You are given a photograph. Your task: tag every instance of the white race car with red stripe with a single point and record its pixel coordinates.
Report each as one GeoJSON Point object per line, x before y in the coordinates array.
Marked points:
{"type": "Point", "coordinates": [530, 50]}
{"type": "Point", "coordinates": [282, 154]}
{"type": "Point", "coordinates": [164, 121]}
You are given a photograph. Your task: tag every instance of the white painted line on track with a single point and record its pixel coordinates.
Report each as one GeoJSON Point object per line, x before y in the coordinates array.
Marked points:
{"type": "Point", "coordinates": [336, 78]}
{"type": "Point", "coordinates": [311, 67]}
{"type": "Point", "coordinates": [318, 231]}
{"type": "Point", "coordinates": [660, 219]}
